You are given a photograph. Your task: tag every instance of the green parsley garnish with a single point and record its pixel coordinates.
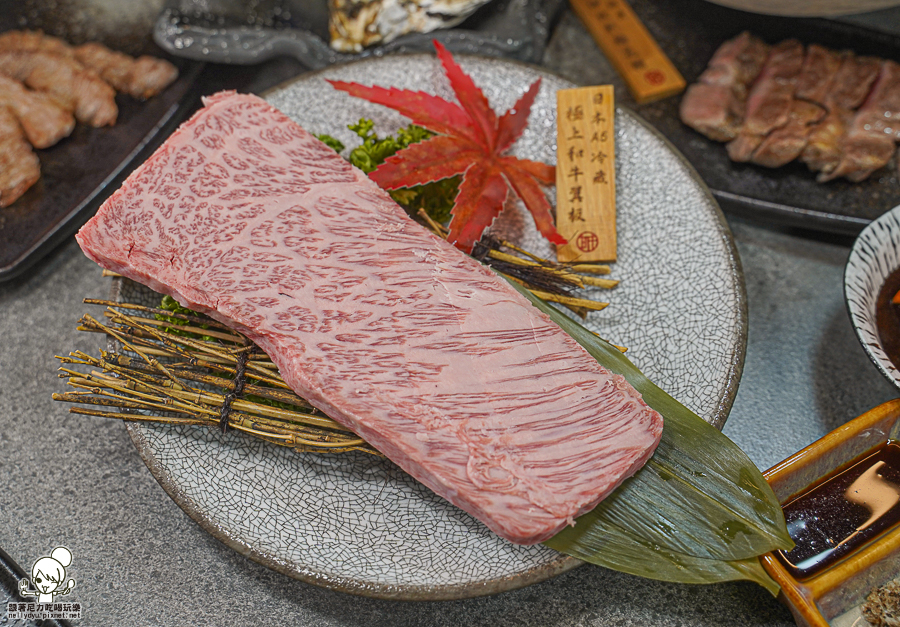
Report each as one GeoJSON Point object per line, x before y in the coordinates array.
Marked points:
{"type": "Point", "coordinates": [435, 198]}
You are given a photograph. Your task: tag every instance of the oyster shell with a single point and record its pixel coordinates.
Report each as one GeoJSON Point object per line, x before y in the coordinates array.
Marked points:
{"type": "Point", "coordinates": [355, 24]}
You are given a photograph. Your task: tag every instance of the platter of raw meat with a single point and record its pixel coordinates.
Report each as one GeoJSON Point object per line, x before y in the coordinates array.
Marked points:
{"type": "Point", "coordinates": [834, 111]}
{"type": "Point", "coordinates": [788, 179]}
{"type": "Point", "coordinates": [356, 523]}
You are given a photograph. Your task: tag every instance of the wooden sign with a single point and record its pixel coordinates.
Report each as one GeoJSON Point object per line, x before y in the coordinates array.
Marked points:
{"type": "Point", "coordinates": [586, 174]}
{"type": "Point", "coordinates": [630, 48]}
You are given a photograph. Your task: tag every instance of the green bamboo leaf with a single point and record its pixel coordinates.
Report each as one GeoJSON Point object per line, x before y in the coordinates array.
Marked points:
{"type": "Point", "coordinates": [644, 560]}
{"type": "Point", "coordinates": [700, 497]}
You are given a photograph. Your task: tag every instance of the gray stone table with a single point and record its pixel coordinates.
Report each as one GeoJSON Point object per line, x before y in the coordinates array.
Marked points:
{"type": "Point", "coordinates": [139, 560]}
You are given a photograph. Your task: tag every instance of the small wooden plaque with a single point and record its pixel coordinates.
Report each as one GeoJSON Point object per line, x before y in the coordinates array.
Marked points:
{"type": "Point", "coordinates": [630, 48]}
{"type": "Point", "coordinates": [586, 173]}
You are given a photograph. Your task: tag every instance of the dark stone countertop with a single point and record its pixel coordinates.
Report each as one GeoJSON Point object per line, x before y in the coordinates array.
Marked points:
{"type": "Point", "coordinates": [139, 560]}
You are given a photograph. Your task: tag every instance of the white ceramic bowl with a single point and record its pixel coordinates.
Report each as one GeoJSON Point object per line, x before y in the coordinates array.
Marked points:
{"type": "Point", "coordinates": [874, 256]}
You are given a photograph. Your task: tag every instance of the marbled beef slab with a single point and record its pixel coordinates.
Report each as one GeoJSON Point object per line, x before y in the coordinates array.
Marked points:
{"type": "Point", "coordinates": [421, 350]}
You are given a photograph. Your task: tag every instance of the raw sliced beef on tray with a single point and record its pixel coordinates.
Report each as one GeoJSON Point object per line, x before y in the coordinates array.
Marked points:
{"type": "Point", "coordinates": [831, 110]}
{"type": "Point", "coordinates": [424, 352]}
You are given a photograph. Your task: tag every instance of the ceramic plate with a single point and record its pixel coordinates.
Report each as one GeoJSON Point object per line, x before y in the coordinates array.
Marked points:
{"type": "Point", "coordinates": [356, 523]}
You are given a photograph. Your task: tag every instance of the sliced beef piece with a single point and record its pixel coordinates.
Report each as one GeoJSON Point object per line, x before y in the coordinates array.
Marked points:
{"type": "Point", "coordinates": [785, 144]}
{"type": "Point", "coordinates": [770, 98]}
{"type": "Point", "coordinates": [824, 146]}
{"type": "Point", "coordinates": [736, 63]}
{"type": "Point", "coordinates": [19, 166]}
{"type": "Point", "coordinates": [820, 66]}
{"type": "Point", "coordinates": [712, 110]}
{"type": "Point", "coordinates": [847, 89]}
{"type": "Point", "coordinates": [428, 355]}
{"type": "Point", "coordinates": [854, 80]}
{"type": "Point", "coordinates": [715, 105]}
{"type": "Point", "coordinates": [73, 86]}
{"type": "Point", "coordinates": [140, 78]}
{"type": "Point", "coordinates": [44, 121]}
{"type": "Point", "coordinates": [880, 113]}
{"type": "Point", "coordinates": [742, 147]}
{"type": "Point", "coordinates": [33, 41]}
{"type": "Point", "coordinates": [862, 153]}
{"type": "Point", "coordinates": [870, 140]}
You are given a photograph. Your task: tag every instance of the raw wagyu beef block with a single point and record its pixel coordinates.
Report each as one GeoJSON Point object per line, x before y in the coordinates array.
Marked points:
{"type": "Point", "coordinates": [421, 350]}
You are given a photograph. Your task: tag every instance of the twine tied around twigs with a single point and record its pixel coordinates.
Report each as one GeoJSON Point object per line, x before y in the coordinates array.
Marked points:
{"type": "Point", "coordinates": [237, 391]}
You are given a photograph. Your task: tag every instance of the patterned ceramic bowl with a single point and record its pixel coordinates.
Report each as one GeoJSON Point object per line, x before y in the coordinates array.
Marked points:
{"type": "Point", "coordinates": [874, 256]}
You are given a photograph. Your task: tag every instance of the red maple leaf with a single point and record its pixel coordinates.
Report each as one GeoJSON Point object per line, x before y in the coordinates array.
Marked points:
{"type": "Point", "coordinates": [470, 140]}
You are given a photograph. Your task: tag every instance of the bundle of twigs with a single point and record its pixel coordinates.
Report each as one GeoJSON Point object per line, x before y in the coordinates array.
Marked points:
{"type": "Point", "coordinates": [548, 280]}
{"type": "Point", "coordinates": [199, 373]}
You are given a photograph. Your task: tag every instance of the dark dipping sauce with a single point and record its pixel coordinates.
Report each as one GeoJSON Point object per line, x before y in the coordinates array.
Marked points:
{"type": "Point", "coordinates": [845, 511]}
{"type": "Point", "coordinates": [887, 318]}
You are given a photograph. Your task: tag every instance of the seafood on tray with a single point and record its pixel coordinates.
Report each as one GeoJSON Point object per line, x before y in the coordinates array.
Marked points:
{"type": "Point", "coordinates": [46, 85]}
{"type": "Point", "coordinates": [773, 104]}
{"type": "Point", "coordinates": [355, 24]}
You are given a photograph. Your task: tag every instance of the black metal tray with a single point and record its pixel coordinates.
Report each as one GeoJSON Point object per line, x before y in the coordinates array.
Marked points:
{"type": "Point", "coordinates": [690, 31]}
{"type": "Point", "coordinates": [82, 170]}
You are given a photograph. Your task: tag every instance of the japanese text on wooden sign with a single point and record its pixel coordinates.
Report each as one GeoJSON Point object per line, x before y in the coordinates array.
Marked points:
{"type": "Point", "coordinates": [630, 48]}
{"type": "Point", "coordinates": [586, 174]}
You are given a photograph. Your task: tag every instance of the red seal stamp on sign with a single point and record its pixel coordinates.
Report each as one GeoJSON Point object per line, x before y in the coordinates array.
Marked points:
{"type": "Point", "coordinates": [587, 241]}
{"type": "Point", "coordinates": [654, 77]}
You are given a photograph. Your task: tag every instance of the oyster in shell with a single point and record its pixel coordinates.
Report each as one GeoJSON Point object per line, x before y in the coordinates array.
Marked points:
{"type": "Point", "coordinates": [355, 24]}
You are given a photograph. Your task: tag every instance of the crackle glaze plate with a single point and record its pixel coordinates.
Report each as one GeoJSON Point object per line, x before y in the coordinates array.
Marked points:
{"type": "Point", "coordinates": [357, 523]}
